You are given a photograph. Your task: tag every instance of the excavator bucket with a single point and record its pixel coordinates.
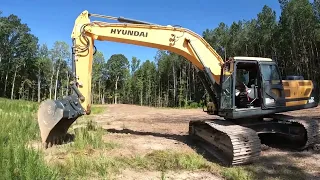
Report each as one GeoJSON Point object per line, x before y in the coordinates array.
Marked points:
{"type": "Point", "coordinates": [55, 118]}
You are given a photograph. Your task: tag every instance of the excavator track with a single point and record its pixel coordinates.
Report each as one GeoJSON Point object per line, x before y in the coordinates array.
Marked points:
{"type": "Point", "coordinates": [231, 144]}
{"type": "Point", "coordinates": [311, 127]}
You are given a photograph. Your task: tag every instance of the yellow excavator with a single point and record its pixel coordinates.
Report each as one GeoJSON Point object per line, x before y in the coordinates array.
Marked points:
{"type": "Point", "coordinates": [247, 93]}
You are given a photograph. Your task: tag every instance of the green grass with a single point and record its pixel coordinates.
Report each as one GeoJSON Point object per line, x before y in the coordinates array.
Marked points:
{"type": "Point", "coordinates": [173, 160]}
{"type": "Point", "coordinates": [104, 166]}
{"type": "Point", "coordinates": [90, 137]}
{"type": "Point", "coordinates": [89, 134]}
{"type": "Point", "coordinates": [97, 109]}
{"type": "Point", "coordinates": [81, 166]}
{"type": "Point", "coordinates": [236, 173]}
{"type": "Point", "coordinates": [18, 126]}
{"type": "Point", "coordinates": [18, 161]}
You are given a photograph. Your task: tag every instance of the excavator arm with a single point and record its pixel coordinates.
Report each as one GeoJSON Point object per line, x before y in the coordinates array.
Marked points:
{"type": "Point", "coordinates": [55, 117]}
{"type": "Point", "coordinates": [233, 141]}
{"type": "Point", "coordinates": [174, 39]}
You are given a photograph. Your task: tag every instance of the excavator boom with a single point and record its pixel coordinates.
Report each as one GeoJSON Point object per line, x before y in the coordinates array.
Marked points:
{"type": "Point", "coordinates": [175, 39]}
{"type": "Point", "coordinates": [234, 140]}
{"type": "Point", "coordinates": [85, 32]}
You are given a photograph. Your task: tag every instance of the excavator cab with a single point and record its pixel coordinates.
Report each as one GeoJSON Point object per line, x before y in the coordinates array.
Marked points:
{"type": "Point", "coordinates": [252, 93]}
{"type": "Point", "coordinates": [258, 85]}
{"type": "Point", "coordinates": [240, 86]}
{"type": "Point", "coordinates": [252, 86]}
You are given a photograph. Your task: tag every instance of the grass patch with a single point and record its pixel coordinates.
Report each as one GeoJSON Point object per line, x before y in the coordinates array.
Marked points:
{"type": "Point", "coordinates": [97, 109]}
{"type": "Point", "coordinates": [172, 160]}
{"type": "Point", "coordinates": [81, 166]}
{"type": "Point", "coordinates": [90, 137]}
{"type": "Point", "coordinates": [17, 161]}
{"type": "Point", "coordinates": [86, 166]}
{"type": "Point", "coordinates": [18, 126]}
{"type": "Point", "coordinates": [236, 173]}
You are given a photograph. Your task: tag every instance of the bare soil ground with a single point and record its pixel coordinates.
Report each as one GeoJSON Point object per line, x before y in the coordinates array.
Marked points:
{"type": "Point", "coordinates": [144, 129]}
{"type": "Point", "coordinates": [140, 130]}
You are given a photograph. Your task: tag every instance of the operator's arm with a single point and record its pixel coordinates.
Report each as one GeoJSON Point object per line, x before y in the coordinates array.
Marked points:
{"type": "Point", "coordinates": [178, 40]}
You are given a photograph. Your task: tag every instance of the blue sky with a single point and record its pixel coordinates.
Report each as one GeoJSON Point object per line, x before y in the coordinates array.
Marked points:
{"type": "Point", "coordinates": [54, 20]}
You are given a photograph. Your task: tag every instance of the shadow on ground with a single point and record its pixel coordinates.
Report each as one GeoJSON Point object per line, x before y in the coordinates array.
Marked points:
{"type": "Point", "coordinates": [266, 167]}
{"type": "Point", "coordinates": [279, 167]}
{"type": "Point", "coordinates": [181, 138]}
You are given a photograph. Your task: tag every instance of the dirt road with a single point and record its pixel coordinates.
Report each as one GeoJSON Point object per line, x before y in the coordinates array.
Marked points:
{"type": "Point", "coordinates": [143, 129]}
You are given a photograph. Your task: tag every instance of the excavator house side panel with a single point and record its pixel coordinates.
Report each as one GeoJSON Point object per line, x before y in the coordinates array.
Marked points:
{"type": "Point", "coordinates": [297, 92]}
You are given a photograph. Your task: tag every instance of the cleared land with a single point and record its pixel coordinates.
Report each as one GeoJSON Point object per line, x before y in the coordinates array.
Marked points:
{"type": "Point", "coordinates": [151, 143]}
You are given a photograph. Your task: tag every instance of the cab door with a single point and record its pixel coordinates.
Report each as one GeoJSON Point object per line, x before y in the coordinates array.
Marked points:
{"type": "Point", "coordinates": [272, 90]}
{"type": "Point", "coordinates": [227, 89]}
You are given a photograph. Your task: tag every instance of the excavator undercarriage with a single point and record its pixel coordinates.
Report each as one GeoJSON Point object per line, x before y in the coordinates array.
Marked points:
{"type": "Point", "coordinates": [231, 144]}
{"type": "Point", "coordinates": [248, 93]}
{"type": "Point", "coordinates": [239, 142]}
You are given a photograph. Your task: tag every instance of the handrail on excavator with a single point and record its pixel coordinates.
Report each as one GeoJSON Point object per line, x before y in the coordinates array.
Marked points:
{"type": "Point", "coordinates": [121, 19]}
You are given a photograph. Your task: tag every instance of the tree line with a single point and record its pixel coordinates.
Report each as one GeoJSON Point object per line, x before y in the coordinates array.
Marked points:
{"type": "Point", "coordinates": [35, 72]}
